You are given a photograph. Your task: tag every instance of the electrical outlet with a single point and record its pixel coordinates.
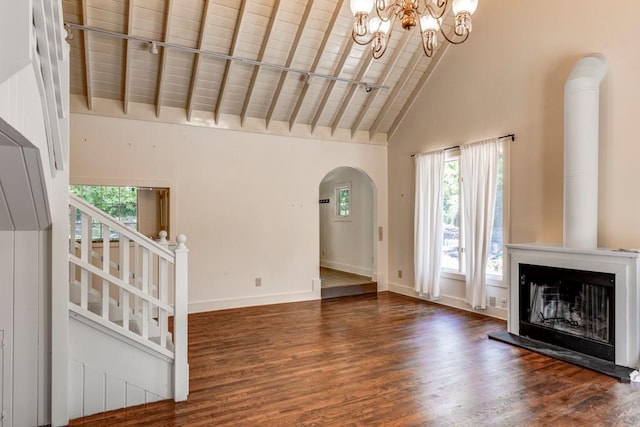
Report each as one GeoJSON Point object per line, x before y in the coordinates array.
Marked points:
{"type": "Point", "coordinates": [492, 301]}
{"type": "Point", "coordinates": [258, 282]}
{"type": "Point", "coordinates": [503, 302]}
{"type": "Point", "coordinates": [399, 274]}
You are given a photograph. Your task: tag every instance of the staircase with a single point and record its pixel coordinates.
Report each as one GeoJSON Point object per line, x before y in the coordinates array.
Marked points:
{"type": "Point", "coordinates": [124, 289]}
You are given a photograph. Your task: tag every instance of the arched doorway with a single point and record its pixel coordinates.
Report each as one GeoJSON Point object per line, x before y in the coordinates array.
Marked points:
{"type": "Point", "coordinates": [347, 233]}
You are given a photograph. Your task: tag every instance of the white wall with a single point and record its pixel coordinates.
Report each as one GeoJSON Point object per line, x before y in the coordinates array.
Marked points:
{"type": "Point", "coordinates": [509, 77]}
{"type": "Point", "coordinates": [247, 203]}
{"type": "Point", "coordinates": [38, 260]}
{"type": "Point", "coordinates": [24, 314]}
{"type": "Point", "coordinates": [347, 245]}
{"type": "Point", "coordinates": [29, 277]}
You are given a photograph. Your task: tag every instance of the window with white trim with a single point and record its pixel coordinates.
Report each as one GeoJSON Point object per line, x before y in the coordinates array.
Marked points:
{"type": "Point", "coordinates": [453, 230]}
{"type": "Point", "coordinates": [343, 201]}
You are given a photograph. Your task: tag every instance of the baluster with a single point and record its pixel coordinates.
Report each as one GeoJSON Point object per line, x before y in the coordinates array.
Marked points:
{"type": "Point", "coordinates": [136, 276]}
{"type": "Point", "coordinates": [153, 285]}
{"type": "Point", "coordinates": [124, 276]}
{"type": "Point", "coordinates": [106, 261]}
{"type": "Point", "coordinates": [162, 241]}
{"type": "Point", "coordinates": [145, 289]}
{"type": "Point", "coordinates": [72, 243]}
{"type": "Point", "coordinates": [85, 254]}
{"type": "Point", "coordinates": [163, 293]}
{"type": "Point", "coordinates": [180, 322]}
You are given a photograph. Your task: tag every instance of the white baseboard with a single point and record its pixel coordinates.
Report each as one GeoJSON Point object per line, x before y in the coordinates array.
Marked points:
{"type": "Point", "coordinates": [221, 304]}
{"type": "Point", "coordinates": [354, 269]}
{"type": "Point", "coordinates": [449, 301]}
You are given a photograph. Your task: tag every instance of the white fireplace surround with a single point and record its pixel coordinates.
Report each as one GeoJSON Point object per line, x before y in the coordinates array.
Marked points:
{"type": "Point", "coordinates": [625, 265]}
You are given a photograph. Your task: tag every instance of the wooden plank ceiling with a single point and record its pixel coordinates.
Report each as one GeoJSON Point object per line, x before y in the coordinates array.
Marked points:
{"type": "Point", "coordinates": [308, 35]}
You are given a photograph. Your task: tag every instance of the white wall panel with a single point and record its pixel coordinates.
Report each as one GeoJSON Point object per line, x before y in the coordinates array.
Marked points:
{"type": "Point", "coordinates": [151, 397]}
{"type": "Point", "coordinates": [1, 377]}
{"type": "Point", "coordinates": [15, 20]}
{"type": "Point", "coordinates": [76, 389]}
{"type": "Point", "coordinates": [6, 319]}
{"type": "Point", "coordinates": [94, 391]}
{"type": "Point", "coordinates": [115, 393]}
{"type": "Point", "coordinates": [44, 328]}
{"type": "Point", "coordinates": [113, 373]}
{"type": "Point", "coordinates": [25, 340]}
{"type": "Point", "coordinates": [135, 395]}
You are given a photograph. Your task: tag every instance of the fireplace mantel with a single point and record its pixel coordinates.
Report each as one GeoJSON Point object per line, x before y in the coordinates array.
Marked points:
{"type": "Point", "coordinates": [624, 264]}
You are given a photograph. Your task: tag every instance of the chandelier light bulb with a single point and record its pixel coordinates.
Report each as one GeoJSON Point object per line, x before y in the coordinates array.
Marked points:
{"type": "Point", "coordinates": [361, 6]}
{"type": "Point", "coordinates": [377, 25]}
{"type": "Point", "coordinates": [464, 6]}
{"type": "Point", "coordinates": [429, 23]}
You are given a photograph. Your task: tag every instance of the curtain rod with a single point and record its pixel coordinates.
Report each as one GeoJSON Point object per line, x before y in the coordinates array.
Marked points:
{"type": "Point", "coordinates": [453, 147]}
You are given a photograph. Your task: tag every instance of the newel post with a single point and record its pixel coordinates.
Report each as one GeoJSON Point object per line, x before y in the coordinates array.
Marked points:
{"type": "Point", "coordinates": [162, 239]}
{"type": "Point", "coordinates": [180, 331]}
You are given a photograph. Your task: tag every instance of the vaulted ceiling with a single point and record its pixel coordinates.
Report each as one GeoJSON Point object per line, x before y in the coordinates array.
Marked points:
{"type": "Point", "coordinates": [275, 64]}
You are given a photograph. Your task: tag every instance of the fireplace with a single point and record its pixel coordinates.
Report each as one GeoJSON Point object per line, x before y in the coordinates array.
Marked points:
{"type": "Point", "coordinates": [573, 309]}
{"type": "Point", "coordinates": [584, 300]}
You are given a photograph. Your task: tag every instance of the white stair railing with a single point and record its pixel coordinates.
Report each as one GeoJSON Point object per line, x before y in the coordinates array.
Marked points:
{"type": "Point", "coordinates": [132, 297]}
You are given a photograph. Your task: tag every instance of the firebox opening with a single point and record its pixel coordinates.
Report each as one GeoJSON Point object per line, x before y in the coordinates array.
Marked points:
{"type": "Point", "coordinates": [573, 309]}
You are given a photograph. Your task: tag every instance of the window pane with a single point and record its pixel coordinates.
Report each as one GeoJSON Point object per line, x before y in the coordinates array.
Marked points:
{"type": "Point", "coordinates": [119, 202]}
{"type": "Point", "coordinates": [451, 215]}
{"type": "Point", "coordinates": [494, 265]}
{"type": "Point", "coordinates": [343, 201]}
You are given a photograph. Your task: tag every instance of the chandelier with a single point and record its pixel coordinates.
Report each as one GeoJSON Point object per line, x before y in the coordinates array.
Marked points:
{"type": "Point", "coordinates": [428, 13]}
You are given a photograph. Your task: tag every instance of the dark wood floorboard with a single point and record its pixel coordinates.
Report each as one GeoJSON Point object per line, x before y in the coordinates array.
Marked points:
{"type": "Point", "coordinates": [380, 359]}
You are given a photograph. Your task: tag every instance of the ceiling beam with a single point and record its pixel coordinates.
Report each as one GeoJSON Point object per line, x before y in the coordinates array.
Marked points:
{"type": "Point", "coordinates": [365, 63]}
{"type": "Point", "coordinates": [292, 53]}
{"type": "Point", "coordinates": [347, 46]}
{"type": "Point", "coordinates": [227, 66]}
{"type": "Point", "coordinates": [87, 57]}
{"type": "Point", "coordinates": [435, 60]}
{"type": "Point", "coordinates": [256, 69]}
{"type": "Point", "coordinates": [388, 68]}
{"type": "Point", "coordinates": [196, 67]}
{"type": "Point", "coordinates": [397, 89]}
{"type": "Point", "coordinates": [163, 58]}
{"type": "Point", "coordinates": [316, 61]}
{"type": "Point", "coordinates": [127, 61]}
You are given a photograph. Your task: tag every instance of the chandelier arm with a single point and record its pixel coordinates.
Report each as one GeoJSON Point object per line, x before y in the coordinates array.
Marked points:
{"type": "Point", "coordinates": [452, 40]}
{"type": "Point", "coordinates": [441, 6]}
{"type": "Point", "coordinates": [361, 41]}
{"type": "Point", "coordinates": [379, 55]}
{"type": "Point", "coordinates": [428, 52]}
{"type": "Point", "coordinates": [390, 12]}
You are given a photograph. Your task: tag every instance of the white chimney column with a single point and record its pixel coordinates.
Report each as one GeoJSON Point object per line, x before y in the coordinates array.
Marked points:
{"type": "Point", "coordinates": [581, 132]}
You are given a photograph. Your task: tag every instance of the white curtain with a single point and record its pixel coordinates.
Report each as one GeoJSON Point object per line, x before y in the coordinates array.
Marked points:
{"type": "Point", "coordinates": [479, 169]}
{"type": "Point", "coordinates": [427, 240]}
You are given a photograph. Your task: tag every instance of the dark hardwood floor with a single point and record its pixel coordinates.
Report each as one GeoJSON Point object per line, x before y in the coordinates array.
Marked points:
{"type": "Point", "coordinates": [381, 359]}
